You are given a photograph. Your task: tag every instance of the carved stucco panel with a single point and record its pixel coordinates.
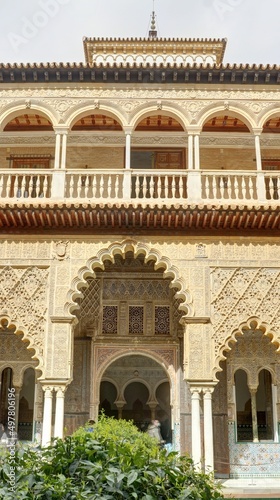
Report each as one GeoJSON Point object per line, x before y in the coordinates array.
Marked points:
{"type": "Point", "coordinates": [58, 363]}
{"type": "Point", "coordinates": [240, 293]}
{"type": "Point", "coordinates": [18, 250]}
{"type": "Point", "coordinates": [23, 300]}
{"type": "Point", "coordinates": [77, 395]}
{"type": "Point", "coordinates": [198, 352]}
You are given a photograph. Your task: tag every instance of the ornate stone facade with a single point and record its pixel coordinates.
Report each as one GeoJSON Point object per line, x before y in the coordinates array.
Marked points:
{"type": "Point", "coordinates": [141, 288]}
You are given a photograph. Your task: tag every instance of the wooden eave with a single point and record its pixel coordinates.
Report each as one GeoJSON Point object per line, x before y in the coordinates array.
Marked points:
{"type": "Point", "coordinates": [137, 73]}
{"type": "Point", "coordinates": [126, 217]}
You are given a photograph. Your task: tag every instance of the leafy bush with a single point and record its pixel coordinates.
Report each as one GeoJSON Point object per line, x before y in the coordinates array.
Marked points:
{"type": "Point", "coordinates": [113, 462]}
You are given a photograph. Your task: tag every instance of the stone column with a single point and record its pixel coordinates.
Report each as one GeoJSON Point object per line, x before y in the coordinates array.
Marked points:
{"type": "Point", "coordinates": [152, 405]}
{"type": "Point", "coordinates": [63, 150]}
{"type": "Point", "coordinates": [196, 434]}
{"type": "Point", "coordinates": [47, 415]}
{"type": "Point", "coordinates": [127, 148]}
{"type": "Point", "coordinates": [208, 430]}
{"type": "Point", "coordinates": [190, 151]}
{"type": "Point", "coordinates": [57, 150]}
{"type": "Point", "coordinates": [261, 187]}
{"type": "Point", "coordinates": [258, 151]}
{"type": "Point", "coordinates": [254, 415]}
{"type": "Point", "coordinates": [59, 412]}
{"type": "Point", "coordinates": [120, 405]}
{"type": "Point", "coordinates": [196, 152]}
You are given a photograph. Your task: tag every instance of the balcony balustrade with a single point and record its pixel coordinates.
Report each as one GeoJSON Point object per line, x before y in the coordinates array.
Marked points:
{"type": "Point", "coordinates": [153, 186]}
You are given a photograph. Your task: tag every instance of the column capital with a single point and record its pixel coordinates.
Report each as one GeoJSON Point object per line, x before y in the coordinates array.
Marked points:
{"type": "Point", "coordinates": [207, 392]}
{"type": "Point", "coordinates": [60, 390]}
{"type": "Point", "coordinates": [47, 388]}
{"type": "Point", "coordinates": [61, 129]}
{"type": "Point", "coordinates": [257, 131]}
{"type": "Point", "coordinates": [195, 391]}
{"type": "Point", "coordinates": [194, 130]}
{"type": "Point", "coordinates": [128, 130]}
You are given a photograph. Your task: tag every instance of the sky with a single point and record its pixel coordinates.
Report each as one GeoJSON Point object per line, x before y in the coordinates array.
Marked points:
{"type": "Point", "coordinates": [52, 30]}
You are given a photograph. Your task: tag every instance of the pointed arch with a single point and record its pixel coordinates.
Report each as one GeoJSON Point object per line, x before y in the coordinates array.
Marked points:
{"type": "Point", "coordinates": [253, 323]}
{"type": "Point", "coordinates": [137, 248]}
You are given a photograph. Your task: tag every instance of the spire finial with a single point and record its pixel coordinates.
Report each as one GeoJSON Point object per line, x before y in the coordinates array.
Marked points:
{"type": "Point", "coordinates": [153, 31]}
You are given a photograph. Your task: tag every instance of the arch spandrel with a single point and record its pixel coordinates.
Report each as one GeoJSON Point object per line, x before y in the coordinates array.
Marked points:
{"type": "Point", "coordinates": [138, 248]}
{"type": "Point", "coordinates": [251, 325]}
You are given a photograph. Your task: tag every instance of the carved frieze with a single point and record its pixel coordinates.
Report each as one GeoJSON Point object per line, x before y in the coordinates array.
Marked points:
{"type": "Point", "coordinates": [241, 293]}
{"type": "Point", "coordinates": [23, 301]}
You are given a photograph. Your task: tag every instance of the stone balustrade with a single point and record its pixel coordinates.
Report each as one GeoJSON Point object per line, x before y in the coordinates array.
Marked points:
{"type": "Point", "coordinates": [168, 186]}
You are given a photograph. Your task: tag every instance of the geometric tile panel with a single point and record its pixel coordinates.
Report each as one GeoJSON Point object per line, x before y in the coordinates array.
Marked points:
{"type": "Point", "coordinates": [253, 459]}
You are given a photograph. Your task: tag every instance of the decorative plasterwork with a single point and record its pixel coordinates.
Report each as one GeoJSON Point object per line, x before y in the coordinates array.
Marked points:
{"type": "Point", "coordinates": [24, 305]}
{"type": "Point", "coordinates": [153, 50]}
{"type": "Point", "coordinates": [138, 248]}
{"type": "Point", "coordinates": [8, 96]}
{"type": "Point", "coordinates": [240, 296]}
{"type": "Point", "coordinates": [106, 355]}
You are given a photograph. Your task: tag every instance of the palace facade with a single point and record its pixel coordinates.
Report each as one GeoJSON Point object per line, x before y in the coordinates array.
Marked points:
{"type": "Point", "coordinates": [140, 254]}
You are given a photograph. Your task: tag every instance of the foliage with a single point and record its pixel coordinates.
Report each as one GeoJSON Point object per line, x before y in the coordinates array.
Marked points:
{"type": "Point", "coordinates": [113, 462]}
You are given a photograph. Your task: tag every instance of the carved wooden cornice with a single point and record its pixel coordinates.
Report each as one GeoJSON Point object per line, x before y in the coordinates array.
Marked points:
{"type": "Point", "coordinates": [111, 218]}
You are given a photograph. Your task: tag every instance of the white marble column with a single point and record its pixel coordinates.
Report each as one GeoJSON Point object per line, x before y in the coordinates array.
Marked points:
{"type": "Point", "coordinates": [127, 149]}
{"type": "Point", "coordinates": [57, 150]}
{"type": "Point", "coordinates": [190, 151]}
{"type": "Point", "coordinates": [196, 434]}
{"type": "Point", "coordinates": [208, 430]}
{"type": "Point", "coordinates": [63, 151]}
{"type": "Point", "coordinates": [59, 412]}
{"type": "Point", "coordinates": [47, 416]}
{"type": "Point", "coordinates": [253, 393]}
{"type": "Point", "coordinates": [196, 152]}
{"type": "Point", "coordinates": [258, 152]}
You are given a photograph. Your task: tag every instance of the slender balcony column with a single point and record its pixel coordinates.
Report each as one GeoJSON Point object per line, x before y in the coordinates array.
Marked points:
{"type": "Point", "coordinates": [196, 434]}
{"type": "Point", "coordinates": [208, 430]}
{"type": "Point", "coordinates": [63, 151]}
{"type": "Point", "coordinates": [57, 150]}
{"type": "Point", "coordinates": [47, 416]}
{"type": "Point", "coordinates": [59, 412]}
{"type": "Point", "coordinates": [261, 188]}
{"type": "Point", "coordinates": [127, 149]}
{"type": "Point", "coordinates": [254, 415]}
{"type": "Point", "coordinates": [190, 151]}
{"type": "Point", "coordinates": [258, 152]}
{"type": "Point", "coordinates": [196, 152]}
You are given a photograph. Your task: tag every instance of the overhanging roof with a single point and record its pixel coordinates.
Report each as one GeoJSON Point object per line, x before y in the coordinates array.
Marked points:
{"type": "Point", "coordinates": [72, 217]}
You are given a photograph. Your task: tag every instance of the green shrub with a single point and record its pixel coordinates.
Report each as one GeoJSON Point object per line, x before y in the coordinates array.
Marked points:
{"type": "Point", "coordinates": [113, 462]}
